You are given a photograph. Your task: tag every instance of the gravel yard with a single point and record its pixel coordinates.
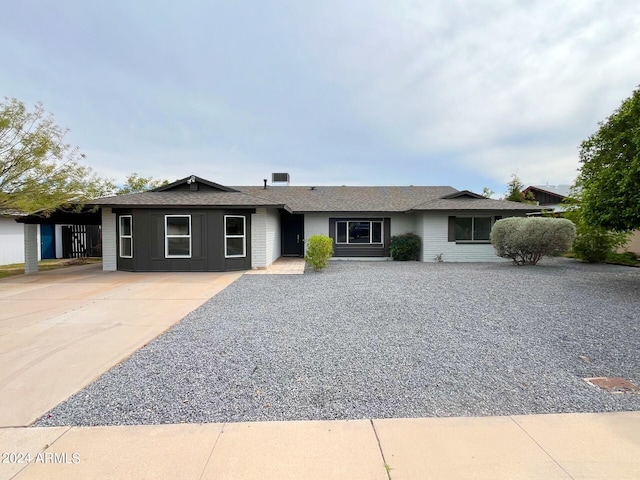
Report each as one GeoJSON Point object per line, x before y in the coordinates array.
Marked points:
{"type": "Point", "coordinates": [384, 339]}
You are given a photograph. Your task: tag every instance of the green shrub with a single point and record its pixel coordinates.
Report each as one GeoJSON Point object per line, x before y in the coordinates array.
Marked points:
{"type": "Point", "coordinates": [405, 247]}
{"type": "Point", "coordinates": [624, 258]}
{"type": "Point", "coordinates": [319, 251]}
{"type": "Point", "coordinates": [527, 240]}
{"type": "Point", "coordinates": [594, 244]}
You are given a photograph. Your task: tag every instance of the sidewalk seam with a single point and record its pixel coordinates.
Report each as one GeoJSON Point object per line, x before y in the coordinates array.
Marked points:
{"type": "Point", "coordinates": [541, 447]}
{"type": "Point", "coordinates": [206, 464]}
{"type": "Point", "coordinates": [42, 450]}
{"type": "Point", "coordinates": [384, 460]}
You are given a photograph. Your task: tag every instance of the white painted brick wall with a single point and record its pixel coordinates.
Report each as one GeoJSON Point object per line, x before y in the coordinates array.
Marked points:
{"type": "Point", "coordinates": [272, 232]}
{"type": "Point", "coordinates": [259, 238]}
{"type": "Point", "coordinates": [435, 234]}
{"type": "Point", "coordinates": [420, 232]}
{"type": "Point", "coordinates": [109, 241]}
{"type": "Point", "coordinates": [31, 248]}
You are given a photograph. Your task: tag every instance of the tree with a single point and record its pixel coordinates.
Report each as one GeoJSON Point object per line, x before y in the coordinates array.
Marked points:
{"type": "Point", "coordinates": [515, 194]}
{"type": "Point", "coordinates": [487, 192]}
{"type": "Point", "coordinates": [609, 178]}
{"type": "Point", "coordinates": [592, 243]}
{"type": "Point", "coordinates": [39, 172]}
{"type": "Point", "coordinates": [136, 183]}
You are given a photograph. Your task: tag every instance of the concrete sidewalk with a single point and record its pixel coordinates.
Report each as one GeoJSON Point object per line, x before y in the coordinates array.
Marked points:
{"type": "Point", "coordinates": [566, 446]}
{"type": "Point", "coordinates": [61, 329]}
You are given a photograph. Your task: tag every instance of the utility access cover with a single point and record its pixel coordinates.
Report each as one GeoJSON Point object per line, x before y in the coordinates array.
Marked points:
{"type": "Point", "coordinates": [614, 384]}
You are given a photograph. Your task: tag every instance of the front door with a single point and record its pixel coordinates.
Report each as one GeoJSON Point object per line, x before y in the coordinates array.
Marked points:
{"type": "Point", "coordinates": [292, 235]}
{"type": "Point", "coordinates": [47, 241]}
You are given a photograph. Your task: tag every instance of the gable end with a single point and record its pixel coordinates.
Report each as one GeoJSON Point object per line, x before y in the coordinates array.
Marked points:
{"type": "Point", "coordinates": [193, 183]}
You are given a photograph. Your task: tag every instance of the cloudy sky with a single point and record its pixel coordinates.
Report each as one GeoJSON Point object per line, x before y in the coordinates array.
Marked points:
{"type": "Point", "coordinates": [358, 92]}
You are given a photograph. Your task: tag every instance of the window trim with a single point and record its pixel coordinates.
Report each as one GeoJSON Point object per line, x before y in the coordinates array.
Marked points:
{"type": "Point", "coordinates": [364, 220]}
{"type": "Point", "coordinates": [243, 236]}
{"type": "Point", "coordinates": [121, 236]}
{"type": "Point", "coordinates": [473, 222]}
{"type": "Point", "coordinates": [167, 236]}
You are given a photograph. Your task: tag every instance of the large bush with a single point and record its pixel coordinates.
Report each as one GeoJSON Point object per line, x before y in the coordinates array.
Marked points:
{"type": "Point", "coordinates": [592, 243]}
{"type": "Point", "coordinates": [527, 240]}
{"type": "Point", "coordinates": [595, 244]}
{"type": "Point", "coordinates": [319, 251]}
{"type": "Point", "coordinates": [405, 247]}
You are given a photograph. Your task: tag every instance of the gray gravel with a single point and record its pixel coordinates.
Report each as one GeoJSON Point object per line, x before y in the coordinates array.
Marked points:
{"type": "Point", "coordinates": [383, 339]}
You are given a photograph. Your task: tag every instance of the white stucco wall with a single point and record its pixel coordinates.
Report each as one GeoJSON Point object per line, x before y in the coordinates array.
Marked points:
{"type": "Point", "coordinates": [634, 243]}
{"type": "Point", "coordinates": [316, 224]}
{"type": "Point", "coordinates": [434, 231]}
{"type": "Point", "coordinates": [11, 241]}
{"type": "Point", "coordinates": [402, 223]}
{"type": "Point", "coordinates": [109, 241]}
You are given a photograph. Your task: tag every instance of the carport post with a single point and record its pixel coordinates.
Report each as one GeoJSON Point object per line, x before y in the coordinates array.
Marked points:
{"type": "Point", "coordinates": [30, 248]}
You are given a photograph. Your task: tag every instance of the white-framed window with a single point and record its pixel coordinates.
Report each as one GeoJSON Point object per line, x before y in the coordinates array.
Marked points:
{"type": "Point", "coordinates": [367, 232]}
{"type": "Point", "coordinates": [125, 233]}
{"type": "Point", "coordinates": [473, 229]}
{"type": "Point", "coordinates": [235, 237]}
{"type": "Point", "coordinates": [177, 236]}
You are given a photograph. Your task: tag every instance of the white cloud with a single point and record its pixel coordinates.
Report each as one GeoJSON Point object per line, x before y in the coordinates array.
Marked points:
{"type": "Point", "coordinates": [392, 91]}
{"type": "Point", "coordinates": [526, 79]}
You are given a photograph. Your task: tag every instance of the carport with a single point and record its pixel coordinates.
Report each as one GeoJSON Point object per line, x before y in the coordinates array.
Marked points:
{"type": "Point", "coordinates": [85, 216]}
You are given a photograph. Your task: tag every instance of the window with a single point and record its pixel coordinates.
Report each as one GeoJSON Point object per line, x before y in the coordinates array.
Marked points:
{"type": "Point", "coordinates": [126, 237]}
{"type": "Point", "coordinates": [234, 236]}
{"type": "Point", "coordinates": [177, 235]}
{"type": "Point", "coordinates": [472, 229]}
{"type": "Point", "coordinates": [359, 232]}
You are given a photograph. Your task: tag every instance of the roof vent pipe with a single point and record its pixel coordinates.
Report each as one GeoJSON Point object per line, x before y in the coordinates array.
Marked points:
{"type": "Point", "coordinates": [265, 183]}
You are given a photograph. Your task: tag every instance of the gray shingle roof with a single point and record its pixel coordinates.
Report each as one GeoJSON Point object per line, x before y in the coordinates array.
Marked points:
{"type": "Point", "coordinates": [186, 199]}
{"type": "Point", "coordinates": [475, 204]}
{"type": "Point", "coordinates": [349, 199]}
{"type": "Point", "coordinates": [318, 199]}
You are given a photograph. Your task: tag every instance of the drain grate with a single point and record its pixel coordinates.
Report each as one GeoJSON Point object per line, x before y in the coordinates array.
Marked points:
{"type": "Point", "coordinates": [613, 384]}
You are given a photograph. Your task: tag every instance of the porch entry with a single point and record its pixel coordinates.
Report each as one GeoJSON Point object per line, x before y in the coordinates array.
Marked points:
{"type": "Point", "coordinates": [292, 234]}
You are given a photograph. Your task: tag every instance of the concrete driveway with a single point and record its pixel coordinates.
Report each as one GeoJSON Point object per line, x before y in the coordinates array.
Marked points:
{"type": "Point", "coordinates": [60, 330]}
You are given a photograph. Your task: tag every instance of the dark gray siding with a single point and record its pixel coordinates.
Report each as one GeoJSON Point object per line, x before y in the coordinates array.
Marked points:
{"type": "Point", "coordinates": [207, 241]}
{"type": "Point", "coordinates": [544, 198]}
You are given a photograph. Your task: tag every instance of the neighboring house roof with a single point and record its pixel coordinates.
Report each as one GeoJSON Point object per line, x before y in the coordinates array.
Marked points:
{"type": "Point", "coordinates": [10, 213]}
{"type": "Point", "coordinates": [560, 190]}
{"type": "Point", "coordinates": [311, 199]}
{"type": "Point", "coordinates": [550, 196]}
